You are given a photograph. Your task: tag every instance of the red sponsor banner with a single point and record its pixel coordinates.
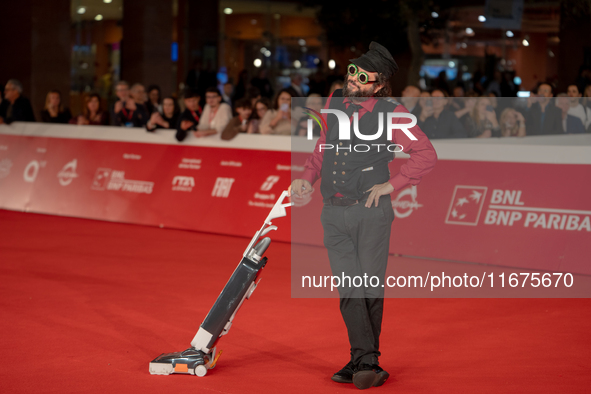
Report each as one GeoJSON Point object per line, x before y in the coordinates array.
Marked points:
{"type": "Point", "coordinates": [518, 214]}
{"type": "Point", "coordinates": [527, 215]}
{"type": "Point", "coordinates": [228, 191]}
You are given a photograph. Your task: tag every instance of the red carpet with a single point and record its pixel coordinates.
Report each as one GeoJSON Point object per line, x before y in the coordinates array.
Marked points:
{"type": "Point", "coordinates": [86, 305]}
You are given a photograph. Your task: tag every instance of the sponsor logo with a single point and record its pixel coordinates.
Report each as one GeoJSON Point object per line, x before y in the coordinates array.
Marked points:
{"type": "Point", "coordinates": [406, 202]}
{"type": "Point", "coordinates": [68, 173]}
{"type": "Point", "coordinates": [190, 164]}
{"type": "Point", "coordinates": [222, 187]}
{"type": "Point", "coordinates": [183, 183]}
{"type": "Point", "coordinates": [507, 209]}
{"type": "Point", "coordinates": [131, 156]}
{"type": "Point", "coordinates": [101, 179]}
{"type": "Point", "coordinates": [289, 168]}
{"type": "Point", "coordinates": [466, 205]}
{"type": "Point", "coordinates": [265, 187]}
{"type": "Point", "coordinates": [269, 182]}
{"type": "Point", "coordinates": [5, 166]}
{"type": "Point", "coordinates": [262, 196]}
{"type": "Point", "coordinates": [32, 169]}
{"type": "Point", "coordinates": [260, 204]}
{"type": "Point", "coordinates": [107, 179]}
{"type": "Point", "coordinates": [225, 163]}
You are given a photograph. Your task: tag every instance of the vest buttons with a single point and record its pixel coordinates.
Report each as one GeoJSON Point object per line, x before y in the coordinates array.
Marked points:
{"type": "Point", "coordinates": [340, 144]}
{"type": "Point", "coordinates": [343, 172]}
{"type": "Point", "coordinates": [334, 181]}
{"type": "Point", "coordinates": [343, 163]}
{"type": "Point", "coordinates": [334, 173]}
{"type": "Point", "coordinates": [337, 153]}
{"type": "Point", "coordinates": [345, 153]}
{"type": "Point", "coordinates": [335, 163]}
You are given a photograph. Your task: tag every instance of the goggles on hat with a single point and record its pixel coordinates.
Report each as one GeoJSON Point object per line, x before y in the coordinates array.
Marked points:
{"type": "Point", "coordinates": [362, 77]}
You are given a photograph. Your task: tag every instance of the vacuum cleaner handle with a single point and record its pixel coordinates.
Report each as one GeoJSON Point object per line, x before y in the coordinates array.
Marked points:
{"type": "Point", "coordinates": [277, 211]}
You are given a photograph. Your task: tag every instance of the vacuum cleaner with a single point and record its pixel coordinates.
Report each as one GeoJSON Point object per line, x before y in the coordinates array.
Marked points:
{"type": "Point", "coordinates": [202, 355]}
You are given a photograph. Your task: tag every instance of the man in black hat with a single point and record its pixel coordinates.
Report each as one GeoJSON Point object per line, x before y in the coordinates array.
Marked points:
{"type": "Point", "coordinates": [357, 213]}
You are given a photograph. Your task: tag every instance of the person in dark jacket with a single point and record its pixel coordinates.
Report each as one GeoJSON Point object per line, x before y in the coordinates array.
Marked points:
{"type": "Point", "coordinates": [240, 123]}
{"type": "Point", "coordinates": [543, 117]}
{"type": "Point", "coordinates": [19, 107]}
{"type": "Point", "coordinates": [437, 121]}
{"type": "Point", "coordinates": [352, 181]}
{"type": "Point", "coordinates": [169, 117]}
{"type": "Point", "coordinates": [54, 111]}
{"type": "Point", "coordinates": [189, 119]}
{"type": "Point", "coordinates": [133, 112]}
{"type": "Point", "coordinates": [154, 103]}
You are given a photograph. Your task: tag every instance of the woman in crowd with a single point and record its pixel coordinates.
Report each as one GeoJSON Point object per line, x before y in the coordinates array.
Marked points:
{"type": "Point", "coordinates": [482, 121]}
{"type": "Point", "coordinates": [153, 104]}
{"type": "Point", "coordinates": [278, 119]}
{"type": "Point", "coordinates": [54, 111]}
{"type": "Point", "coordinates": [169, 117]}
{"type": "Point", "coordinates": [92, 113]}
{"type": "Point", "coordinates": [468, 105]}
{"type": "Point", "coordinates": [261, 107]}
{"type": "Point", "coordinates": [512, 123]}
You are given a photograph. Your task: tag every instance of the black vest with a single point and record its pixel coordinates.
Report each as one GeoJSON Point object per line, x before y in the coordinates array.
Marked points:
{"type": "Point", "coordinates": [350, 169]}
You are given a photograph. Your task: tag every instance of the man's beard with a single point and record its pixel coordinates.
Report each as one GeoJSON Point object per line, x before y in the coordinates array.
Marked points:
{"type": "Point", "coordinates": [358, 94]}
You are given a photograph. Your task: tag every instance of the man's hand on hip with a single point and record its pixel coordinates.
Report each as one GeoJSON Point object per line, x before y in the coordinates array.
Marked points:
{"type": "Point", "coordinates": [377, 191]}
{"type": "Point", "coordinates": [299, 187]}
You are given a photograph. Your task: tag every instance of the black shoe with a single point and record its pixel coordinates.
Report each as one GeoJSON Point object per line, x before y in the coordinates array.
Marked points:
{"type": "Point", "coordinates": [369, 376]}
{"type": "Point", "coordinates": [345, 375]}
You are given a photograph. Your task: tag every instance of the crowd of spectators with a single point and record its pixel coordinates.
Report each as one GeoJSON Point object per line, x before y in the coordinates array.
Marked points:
{"type": "Point", "coordinates": [207, 108]}
{"type": "Point", "coordinates": [485, 116]}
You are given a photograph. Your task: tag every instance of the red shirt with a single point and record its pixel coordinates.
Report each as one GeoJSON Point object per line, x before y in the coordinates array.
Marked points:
{"type": "Point", "coordinates": [422, 154]}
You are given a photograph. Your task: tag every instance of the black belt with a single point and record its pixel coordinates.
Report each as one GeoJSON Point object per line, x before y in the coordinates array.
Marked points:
{"type": "Point", "coordinates": [343, 201]}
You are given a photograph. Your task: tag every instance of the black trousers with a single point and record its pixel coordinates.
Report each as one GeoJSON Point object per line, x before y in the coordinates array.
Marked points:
{"type": "Point", "coordinates": [357, 239]}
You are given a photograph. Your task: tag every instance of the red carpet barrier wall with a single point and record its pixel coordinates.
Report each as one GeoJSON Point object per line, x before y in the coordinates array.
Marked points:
{"type": "Point", "coordinates": [220, 190]}
{"type": "Point", "coordinates": [511, 202]}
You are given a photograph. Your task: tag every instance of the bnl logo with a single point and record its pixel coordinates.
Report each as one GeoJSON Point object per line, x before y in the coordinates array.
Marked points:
{"type": "Point", "coordinates": [345, 124]}
{"type": "Point", "coordinates": [222, 187]}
